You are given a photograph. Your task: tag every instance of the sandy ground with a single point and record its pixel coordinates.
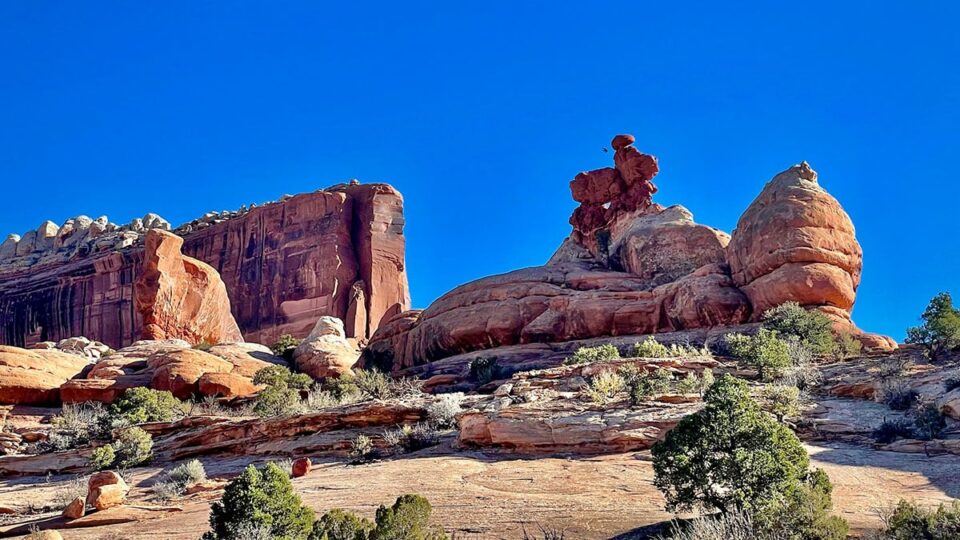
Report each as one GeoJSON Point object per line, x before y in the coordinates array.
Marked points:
{"type": "Point", "coordinates": [482, 496]}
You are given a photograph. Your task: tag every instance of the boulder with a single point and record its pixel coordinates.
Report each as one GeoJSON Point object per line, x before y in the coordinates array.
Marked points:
{"type": "Point", "coordinates": [106, 489]}
{"type": "Point", "coordinates": [180, 297]}
{"type": "Point", "coordinates": [216, 384]}
{"type": "Point", "coordinates": [34, 376]}
{"type": "Point", "coordinates": [301, 467]}
{"type": "Point", "coordinates": [76, 509]}
{"type": "Point", "coordinates": [326, 351]}
{"type": "Point", "coordinates": [179, 372]}
{"type": "Point", "coordinates": [950, 404]}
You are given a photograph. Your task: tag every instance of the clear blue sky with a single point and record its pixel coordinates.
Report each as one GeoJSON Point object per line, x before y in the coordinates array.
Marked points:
{"type": "Point", "coordinates": [481, 114]}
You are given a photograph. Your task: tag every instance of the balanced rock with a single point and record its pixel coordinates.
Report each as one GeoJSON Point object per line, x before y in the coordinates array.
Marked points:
{"type": "Point", "coordinates": [106, 489]}
{"type": "Point", "coordinates": [326, 352]}
{"type": "Point", "coordinates": [795, 243]}
{"type": "Point", "coordinates": [180, 297]}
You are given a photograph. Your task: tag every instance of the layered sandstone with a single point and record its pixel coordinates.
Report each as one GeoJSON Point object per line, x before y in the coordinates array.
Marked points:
{"type": "Point", "coordinates": [334, 252]}
{"type": "Point", "coordinates": [632, 267]}
{"type": "Point", "coordinates": [34, 377]}
{"type": "Point", "coordinates": [180, 297]}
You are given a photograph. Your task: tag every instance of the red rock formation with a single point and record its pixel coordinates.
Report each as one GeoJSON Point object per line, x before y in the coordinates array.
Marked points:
{"type": "Point", "coordinates": [632, 267]}
{"type": "Point", "coordinates": [284, 264]}
{"type": "Point", "coordinates": [180, 297]}
{"type": "Point", "coordinates": [34, 377]}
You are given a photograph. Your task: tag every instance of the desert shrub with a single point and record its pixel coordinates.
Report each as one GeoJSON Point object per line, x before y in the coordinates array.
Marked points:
{"type": "Point", "coordinates": [443, 410]}
{"type": "Point", "coordinates": [544, 533]}
{"type": "Point", "coordinates": [952, 383]}
{"type": "Point", "coordinates": [586, 355]}
{"type": "Point", "coordinates": [650, 348]}
{"type": "Point", "coordinates": [642, 385]}
{"type": "Point", "coordinates": [103, 457]}
{"type": "Point", "coordinates": [280, 375]}
{"type": "Point", "coordinates": [261, 499]}
{"type": "Point", "coordinates": [140, 405]}
{"type": "Point", "coordinates": [811, 327]}
{"type": "Point", "coordinates": [729, 454]}
{"type": "Point", "coordinates": [407, 519]}
{"type": "Point", "coordinates": [928, 421]}
{"type": "Point", "coordinates": [706, 381]}
{"type": "Point", "coordinates": [895, 367]}
{"type": "Point", "coordinates": [909, 521]}
{"type": "Point", "coordinates": [212, 406]}
{"type": "Point", "coordinates": [277, 400]}
{"type": "Point", "coordinates": [175, 482]}
{"type": "Point", "coordinates": [373, 384]}
{"type": "Point", "coordinates": [780, 400]}
{"type": "Point", "coordinates": [847, 346]}
{"type": "Point", "coordinates": [891, 430]}
{"type": "Point", "coordinates": [689, 384]}
{"type": "Point", "coordinates": [343, 389]}
{"type": "Point", "coordinates": [735, 525]}
{"type": "Point", "coordinates": [412, 438]}
{"type": "Point", "coordinates": [133, 446]}
{"type": "Point", "coordinates": [78, 424]}
{"type": "Point", "coordinates": [338, 524]}
{"type": "Point", "coordinates": [604, 386]}
{"type": "Point", "coordinates": [284, 464]}
{"type": "Point", "coordinates": [361, 449]}
{"type": "Point", "coordinates": [285, 346]}
{"type": "Point", "coordinates": [484, 369]}
{"type": "Point", "coordinates": [897, 394]}
{"type": "Point", "coordinates": [940, 330]}
{"type": "Point", "coordinates": [765, 351]}
{"type": "Point", "coordinates": [803, 512]}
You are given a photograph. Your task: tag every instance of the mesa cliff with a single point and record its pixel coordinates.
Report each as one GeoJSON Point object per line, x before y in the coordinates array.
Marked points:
{"type": "Point", "coordinates": [337, 252]}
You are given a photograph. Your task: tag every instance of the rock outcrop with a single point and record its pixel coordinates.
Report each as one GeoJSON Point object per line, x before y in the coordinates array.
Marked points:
{"type": "Point", "coordinates": [224, 370]}
{"type": "Point", "coordinates": [326, 352]}
{"type": "Point", "coordinates": [284, 265]}
{"type": "Point", "coordinates": [632, 267]}
{"type": "Point", "coordinates": [180, 297]}
{"type": "Point", "coordinates": [106, 489]}
{"type": "Point", "coordinates": [34, 377]}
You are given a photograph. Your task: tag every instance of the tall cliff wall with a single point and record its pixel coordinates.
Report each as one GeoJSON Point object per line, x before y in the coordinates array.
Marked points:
{"type": "Point", "coordinates": [338, 251]}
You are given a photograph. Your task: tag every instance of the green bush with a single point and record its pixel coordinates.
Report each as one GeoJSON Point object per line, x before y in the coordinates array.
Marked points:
{"type": "Point", "coordinates": [928, 421]}
{"type": "Point", "coordinates": [262, 499]}
{"type": "Point", "coordinates": [277, 400]}
{"type": "Point", "coordinates": [847, 346]}
{"type": "Point", "coordinates": [908, 521]}
{"type": "Point", "coordinates": [940, 330]}
{"type": "Point", "coordinates": [781, 401]}
{"type": "Point", "coordinates": [484, 369]}
{"type": "Point", "coordinates": [133, 446]}
{"type": "Point", "coordinates": [103, 457]}
{"type": "Point", "coordinates": [642, 385]}
{"type": "Point", "coordinates": [650, 348]}
{"type": "Point", "coordinates": [811, 327]}
{"type": "Point", "coordinates": [78, 424]}
{"type": "Point", "coordinates": [897, 394]}
{"type": "Point", "coordinates": [604, 386]}
{"type": "Point", "coordinates": [765, 351]}
{"type": "Point", "coordinates": [407, 519]}
{"type": "Point", "coordinates": [285, 346]}
{"type": "Point", "coordinates": [281, 375]}
{"type": "Point", "coordinates": [140, 405]}
{"type": "Point", "coordinates": [412, 438]}
{"type": "Point", "coordinates": [338, 524]}
{"type": "Point", "coordinates": [803, 512]}
{"type": "Point", "coordinates": [730, 454]}
{"type": "Point", "coordinates": [361, 449]}
{"type": "Point", "coordinates": [174, 483]}
{"type": "Point", "coordinates": [586, 355]}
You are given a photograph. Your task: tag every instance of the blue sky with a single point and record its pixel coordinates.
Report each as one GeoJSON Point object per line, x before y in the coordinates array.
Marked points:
{"type": "Point", "coordinates": [481, 113]}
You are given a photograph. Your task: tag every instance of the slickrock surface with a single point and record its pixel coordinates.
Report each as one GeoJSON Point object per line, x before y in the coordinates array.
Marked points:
{"type": "Point", "coordinates": [284, 265]}
{"type": "Point", "coordinates": [34, 377]}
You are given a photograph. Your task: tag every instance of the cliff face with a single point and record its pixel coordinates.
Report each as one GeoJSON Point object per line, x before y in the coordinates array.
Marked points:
{"type": "Point", "coordinates": [337, 252]}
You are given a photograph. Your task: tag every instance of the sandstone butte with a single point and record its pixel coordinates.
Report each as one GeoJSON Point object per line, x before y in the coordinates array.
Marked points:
{"type": "Point", "coordinates": [336, 252]}
{"type": "Point", "coordinates": [633, 267]}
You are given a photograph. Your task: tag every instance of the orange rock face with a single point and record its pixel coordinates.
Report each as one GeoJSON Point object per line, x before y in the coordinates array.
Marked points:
{"type": "Point", "coordinates": [795, 243]}
{"type": "Point", "coordinates": [180, 297]}
{"type": "Point", "coordinates": [34, 376]}
{"type": "Point", "coordinates": [336, 252]}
